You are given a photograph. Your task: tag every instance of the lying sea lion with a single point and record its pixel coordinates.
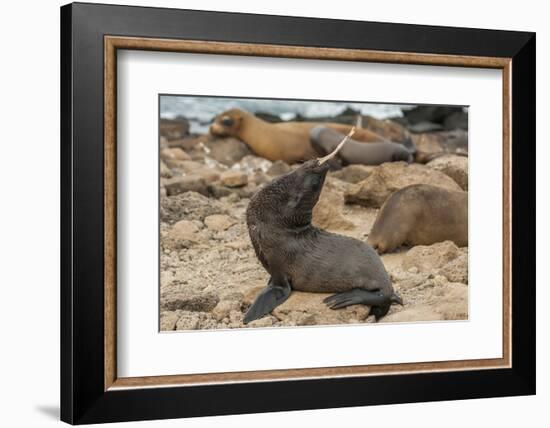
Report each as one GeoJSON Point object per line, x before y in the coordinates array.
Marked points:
{"type": "Point", "coordinates": [299, 256]}
{"type": "Point", "coordinates": [421, 214]}
{"type": "Point", "coordinates": [324, 140]}
{"type": "Point", "coordinates": [287, 141]}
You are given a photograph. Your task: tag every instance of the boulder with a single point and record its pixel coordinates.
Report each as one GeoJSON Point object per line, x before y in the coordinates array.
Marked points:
{"type": "Point", "coordinates": [172, 129]}
{"type": "Point", "coordinates": [392, 176]}
{"type": "Point", "coordinates": [174, 153]}
{"type": "Point", "coordinates": [411, 278]}
{"type": "Point", "coordinates": [219, 222]}
{"type": "Point", "coordinates": [188, 321]}
{"type": "Point", "coordinates": [430, 258]}
{"type": "Point", "coordinates": [267, 321]}
{"type": "Point", "coordinates": [327, 213]}
{"type": "Point", "coordinates": [188, 144]}
{"type": "Point", "coordinates": [353, 173]}
{"type": "Point", "coordinates": [430, 145]}
{"type": "Point", "coordinates": [183, 234]}
{"type": "Point", "coordinates": [457, 269]}
{"type": "Point", "coordinates": [233, 179]}
{"type": "Point", "coordinates": [188, 206]}
{"type": "Point", "coordinates": [209, 173]}
{"type": "Point", "coordinates": [226, 150]}
{"type": "Point", "coordinates": [259, 178]}
{"type": "Point", "coordinates": [430, 113]}
{"type": "Point", "coordinates": [184, 166]}
{"type": "Point", "coordinates": [454, 166]}
{"type": "Point", "coordinates": [458, 119]}
{"type": "Point", "coordinates": [443, 301]}
{"type": "Point", "coordinates": [186, 183]}
{"type": "Point", "coordinates": [251, 163]}
{"type": "Point", "coordinates": [217, 190]}
{"type": "Point", "coordinates": [168, 320]}
{"type": "Point", "coordinates": [236, 319]}
{"type": "Point", "coordinates": [388, 129]}
{"type": "Point", "coordinates": [427, 145]}
{"type": "Point", "coordinates": [224, 308]}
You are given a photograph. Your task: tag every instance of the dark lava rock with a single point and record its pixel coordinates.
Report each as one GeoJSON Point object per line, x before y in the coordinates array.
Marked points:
{"type": "Point", "coordinates": [456, 120]}
{"type": "Point", "coordinates": [172, 129]}
{"type": "Point", "coordinates": [435, 114]}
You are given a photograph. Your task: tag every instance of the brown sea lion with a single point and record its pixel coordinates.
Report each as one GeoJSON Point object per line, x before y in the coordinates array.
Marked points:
{"type": "Point", "coordinates": [299, 256]}
{"type": "Point", "coordinates": [421, 214]}
{"type": "Point", "coordinates": [324, 140]}
{"type": "Point", "coordinates": [286, 141]}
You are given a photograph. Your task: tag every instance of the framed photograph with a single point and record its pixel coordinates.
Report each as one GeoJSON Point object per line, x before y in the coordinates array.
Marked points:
{"type": "Point", "coordinates": [267, 213]}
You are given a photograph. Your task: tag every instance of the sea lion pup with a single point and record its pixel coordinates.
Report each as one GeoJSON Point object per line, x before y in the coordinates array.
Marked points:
{"type": "Point", "coordinates": [299, 256]}
{"type": "Point", "coordinates": [324, 140]}
{"type": "Point", "coordinates": [286, 141]}
{"type": "Point", "coordinates": [421, 214]}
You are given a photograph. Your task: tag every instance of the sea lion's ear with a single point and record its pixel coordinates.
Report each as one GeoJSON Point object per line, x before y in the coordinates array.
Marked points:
{"type": "Point", "coordinates": [227, 121]}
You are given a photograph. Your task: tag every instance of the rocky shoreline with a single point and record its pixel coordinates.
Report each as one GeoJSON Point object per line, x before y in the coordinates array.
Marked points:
{"type": "Point", "coordinates": [209, 272]}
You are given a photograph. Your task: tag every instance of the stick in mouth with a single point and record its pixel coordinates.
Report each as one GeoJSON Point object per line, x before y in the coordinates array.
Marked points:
{"type": "Point", "coordinates": [339, 146]}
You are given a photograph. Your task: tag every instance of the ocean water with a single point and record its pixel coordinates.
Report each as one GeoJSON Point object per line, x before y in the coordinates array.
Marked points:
{"type": "Point", "coordinates": [200, 111]}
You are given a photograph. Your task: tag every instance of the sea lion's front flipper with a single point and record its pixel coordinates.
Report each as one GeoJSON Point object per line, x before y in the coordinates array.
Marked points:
{"type": "Point", "coordinates": [276, 292]}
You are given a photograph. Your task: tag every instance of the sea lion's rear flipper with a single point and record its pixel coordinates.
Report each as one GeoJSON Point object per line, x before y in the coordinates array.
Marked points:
{"type": "Point", "coordinates": [357, 296]}
{"type": "Point", "coordinates": [269, 298]}
{"type": "Point", "coordinates": [379, 302]}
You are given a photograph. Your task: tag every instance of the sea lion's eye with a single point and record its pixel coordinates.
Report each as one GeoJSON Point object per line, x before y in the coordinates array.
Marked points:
{"type": "Point", "coordinates": [313, 181]}
{"type": "Point", "coordinates": [227, 121]}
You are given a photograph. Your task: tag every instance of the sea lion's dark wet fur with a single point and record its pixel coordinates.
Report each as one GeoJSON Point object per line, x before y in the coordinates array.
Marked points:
{"type": "Point", "coordinates": [299, 256]}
